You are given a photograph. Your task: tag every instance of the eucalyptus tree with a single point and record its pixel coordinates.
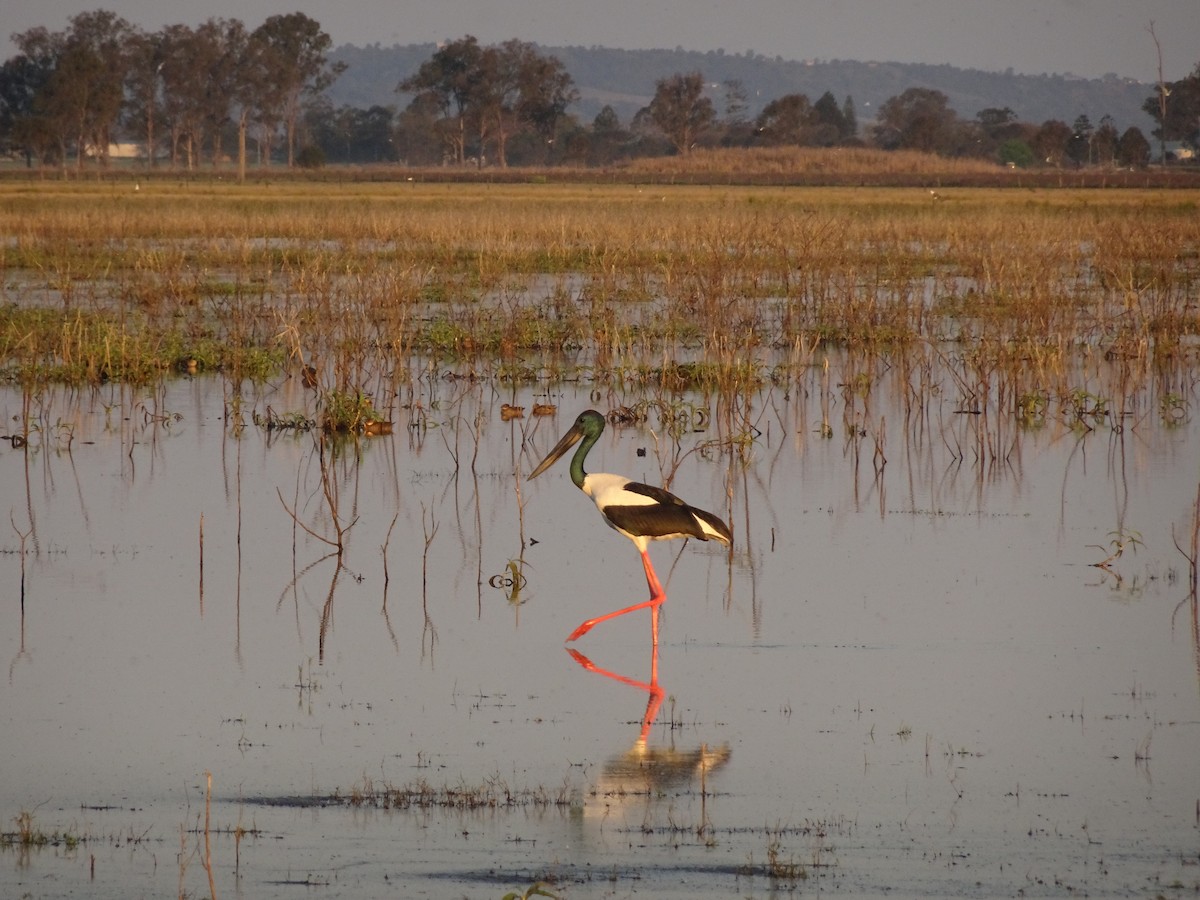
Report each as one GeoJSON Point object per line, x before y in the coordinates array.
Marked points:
{"type": "Point", "coordinates": [519, 88]}
{"type": "Point", "coordinates": [189, 54]}
{"type": "Point", "coordinates": [446, 84]}
{"type": "Point", "coordinates": [246, 76]}
{"type": "Point", "coordinates": [143, 81]}
{"type": "Point", "coordinates": [90, 77]}
{"type": "Point", "coordinates": [234, 85]}
{"type": "Point", "coordinates": [294, 65]}
{"type": "Point", "coordinates": [476, 97]}
{"type": "Point", "coordinates": [545, 91]}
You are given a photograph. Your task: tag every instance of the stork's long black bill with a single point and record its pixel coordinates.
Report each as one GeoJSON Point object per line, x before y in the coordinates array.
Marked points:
{"type": "Point", "coordinates": [566, 443]}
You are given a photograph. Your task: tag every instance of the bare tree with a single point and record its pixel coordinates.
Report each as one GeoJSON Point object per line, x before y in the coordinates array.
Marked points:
{"type": "Point", "coordinates": [1163, 93]}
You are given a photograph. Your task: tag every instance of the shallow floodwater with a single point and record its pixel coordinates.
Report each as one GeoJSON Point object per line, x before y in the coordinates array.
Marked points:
{"type": "Point", "coordinates": [909, 678]}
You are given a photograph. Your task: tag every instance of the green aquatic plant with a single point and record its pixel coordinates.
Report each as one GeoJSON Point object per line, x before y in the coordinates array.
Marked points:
{"type": "Point", "coordinates": [349, 411]}
{"type": "Point", "coordinates": [28, 835]}
{"type": "Point", "coordinates": [1031, 408]}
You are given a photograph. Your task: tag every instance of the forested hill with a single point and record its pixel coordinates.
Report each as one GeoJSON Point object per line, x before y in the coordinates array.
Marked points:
{"type": "Point", "coordinates": [625, 80]}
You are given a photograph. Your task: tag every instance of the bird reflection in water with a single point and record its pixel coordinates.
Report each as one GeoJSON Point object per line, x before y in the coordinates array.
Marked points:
{"type": "Point", "coordinates": [648, 771]}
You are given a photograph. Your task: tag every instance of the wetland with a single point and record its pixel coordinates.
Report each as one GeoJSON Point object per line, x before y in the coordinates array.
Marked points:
{"type": "Point", "coordinates": [280, 611]}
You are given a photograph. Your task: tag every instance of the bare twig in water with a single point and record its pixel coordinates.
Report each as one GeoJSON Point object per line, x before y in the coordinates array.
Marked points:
{"type": "Point", "coordinates": [212, 887]}
{"type": "Point", "coordinates": [430, 529]}
{"type": "Point", "coordinates": [1195, 544]}
{"type": "Point", "coordinates": [384, 549]}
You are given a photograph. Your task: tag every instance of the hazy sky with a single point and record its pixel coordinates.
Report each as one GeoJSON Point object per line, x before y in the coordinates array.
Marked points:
{"type": "Point", "coordinates": [1084, 37]}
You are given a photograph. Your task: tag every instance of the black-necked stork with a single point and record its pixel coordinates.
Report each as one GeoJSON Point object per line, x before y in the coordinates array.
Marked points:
{"type": "Point", "coordinates": [641, 512]}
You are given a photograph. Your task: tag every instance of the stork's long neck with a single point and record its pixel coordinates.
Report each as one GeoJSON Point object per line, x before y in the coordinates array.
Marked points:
{"type": "Point", "coordinates": [577, 473]}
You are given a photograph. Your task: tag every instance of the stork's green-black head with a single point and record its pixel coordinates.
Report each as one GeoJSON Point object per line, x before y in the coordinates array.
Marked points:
{"type": "Point", "coordinates": [588, 426]}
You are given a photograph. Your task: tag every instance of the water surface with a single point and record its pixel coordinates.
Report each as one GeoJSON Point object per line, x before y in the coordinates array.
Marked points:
{"type": "Point", "coordinates": [909, 677]}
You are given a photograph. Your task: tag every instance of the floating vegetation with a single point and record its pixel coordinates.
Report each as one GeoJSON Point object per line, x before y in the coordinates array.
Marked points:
{"type": "Point", "coordinates": [273, 421]}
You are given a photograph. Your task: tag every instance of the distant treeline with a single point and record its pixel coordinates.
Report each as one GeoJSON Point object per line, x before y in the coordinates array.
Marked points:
{"type": "Point", "coordinates": [190, 96]}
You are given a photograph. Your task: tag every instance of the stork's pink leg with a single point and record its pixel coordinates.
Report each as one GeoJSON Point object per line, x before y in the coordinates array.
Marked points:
{"type": "Point", "coordinates": [656, 589]}
{"type": "Point", "coordinates": [657, 596]}
{"type": "Point", "coordinates": [590, 623]}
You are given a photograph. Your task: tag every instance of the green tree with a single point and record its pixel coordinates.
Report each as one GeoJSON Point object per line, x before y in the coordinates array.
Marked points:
{"type": "Point", "coordinates": [1079, 146]}
{"type": "Point", "coordinates": [22, 124]}
{"type": "Point", "coordinates": [607, 137]}
{"type": "Point", "coordinates": [997, 126]}
{"type": "Point", "coordinates": [830, 121]}
{"type": "Point", "coordinates": [483, 96]}
{"type": "Point", "coordinates": [418, 136]}
{"type": "Point", "coordinates": [849, 120]}
{"type": "Point", "coordinates": [1132, 148]}
{"type": "Point", "coordinates": [681, 110]}
{"type": "Point", "coordinates": [351, 135]}
{"type": "Point", "coordinates": [1015, 152]}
